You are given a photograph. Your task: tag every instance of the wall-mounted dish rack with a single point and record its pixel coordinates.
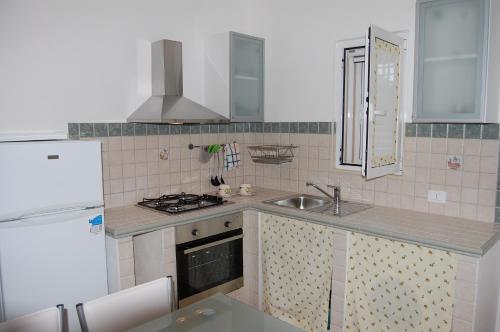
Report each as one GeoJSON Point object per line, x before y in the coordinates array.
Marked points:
{"type": "Point", "coordinates": [272, 154]}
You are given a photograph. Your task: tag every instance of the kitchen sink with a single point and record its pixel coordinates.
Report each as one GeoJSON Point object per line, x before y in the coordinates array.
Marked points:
{"type": "Point", "coordinates": [321, 205]}
{"type": "Point", "coordinates": [300, 202]}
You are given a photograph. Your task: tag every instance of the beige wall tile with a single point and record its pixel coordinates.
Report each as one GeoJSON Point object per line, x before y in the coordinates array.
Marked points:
{"type": "Point", "coordinates": [468, 211]}
{"type": "Point", "coordinates": [471, 163]}
{"type": "Point", "coordinates": [455, 146]}
{"type": "Point", "coordinates": [453, 177]}
{"type": "Point", "coordinates": [114, 143]}
{"type": "Point", "coordinates": [489, 164]}
{"type": "Point", "coordinates": [438, 161]}
{"type": "Point", "coordinates": [470, 179]}
{"type": "Point", "coordinates": [423, 145]}
{"type": "Point", "coordinates": [487, 181]}
{"type": "Point", "coordinates": [489, 148]}
{"type": "Point", "coordinates": [128, 143]}
{"type": "Point", "coordinates": [438, 176]}
{"type": "Point", "coordinates": [410, 144]}
{"type": "Point", "coordinates": [438, 145]}
{"type": "Point", "coordinates": [472, 147]}
{"type": "Point", "coordinates": [468, 195]}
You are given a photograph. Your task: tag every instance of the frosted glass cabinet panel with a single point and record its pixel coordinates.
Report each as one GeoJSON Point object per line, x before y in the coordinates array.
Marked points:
{"type": "Point", "coordinates": [451, 44]}
{"type": "Point", "coordinates": [247, 78]}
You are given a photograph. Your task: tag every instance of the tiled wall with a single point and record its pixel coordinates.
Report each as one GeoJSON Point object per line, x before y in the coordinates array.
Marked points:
{"type": "Point", "coordinates": [132, 168]}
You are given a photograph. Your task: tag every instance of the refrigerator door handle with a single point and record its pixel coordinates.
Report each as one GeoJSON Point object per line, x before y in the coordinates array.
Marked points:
{"type": "Point", "coordinates": [50, 212]}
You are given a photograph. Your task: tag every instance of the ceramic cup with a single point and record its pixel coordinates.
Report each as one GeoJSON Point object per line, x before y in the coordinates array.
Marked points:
{"type": "Point", "coordinates": [245, 189]}
{"type": "Point", "coordinates": [224, 190]}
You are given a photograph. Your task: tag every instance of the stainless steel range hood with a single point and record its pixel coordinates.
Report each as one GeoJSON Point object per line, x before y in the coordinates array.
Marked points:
{"type": "Point", "coordinates": [167, 104]}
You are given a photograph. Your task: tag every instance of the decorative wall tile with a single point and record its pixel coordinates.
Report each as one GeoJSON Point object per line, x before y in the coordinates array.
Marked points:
{"type": "Point", "coordinates": [284, 127]}
{"type": "Point", "coordinates": [152, 129]}
{"type": "Point", "coordinates": [325, 127]}
{"type": "Point", "coordinates": [101, 129]}
{"type": "Point", "coordinates": [489, 131]}
{"type": "Point", "coordinates": [164, 129]}
{"type": "Point", "coordinates": [240, 128]}
{"type": "Point", "coordinates": [439, 130]}
{"type": "Point", "coordinates": [268, 127]}
{"type": "Point", "coordinates": [424, 130]}
{"type": "Point", "coordinates": [175, 130]}
{"type": "Point", "coordinates": [195, 129]}
{"type": "Point", "coordinates": [115, 129]}
{"type": "Point", "coordinates": [259, 127]}
{"type": "Point", "coordinates": [205, 129]}
{"type": "Point", "coordinates": [253, 127]}
{"type": "Point", "coordinates": [86, 130]}
{"type": "Point", "coordinates": [127, 129]}
{"type": "Point", "coordinates": [411, 130]}
{"type": "Point", "coordinates": [275, 127]}
{"type": "Point", "coordinates": [455, 131]}
{"type": "Point", "coordinates": [473, 131]}
{"type": "Point", "coordinates": [313, 127]}
{"type": "Point", "coordinates": [303, 127]}
{"type": "Point", "coordinates": [140, 129]}
{"type": "Point", "coordinates": [185, 129]}
{"type": "Point", "coordinates": [73, 130]}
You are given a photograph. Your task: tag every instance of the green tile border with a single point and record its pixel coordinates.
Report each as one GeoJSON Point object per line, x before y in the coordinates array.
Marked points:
{"type": "Point", "coordinates": [453, 130]}
{"type": "Point", "coordinates": [435, 130]}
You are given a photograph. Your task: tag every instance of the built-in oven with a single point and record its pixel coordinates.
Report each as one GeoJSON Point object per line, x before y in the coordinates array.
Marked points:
{"type": "Point", "coordinates": [209, 257]}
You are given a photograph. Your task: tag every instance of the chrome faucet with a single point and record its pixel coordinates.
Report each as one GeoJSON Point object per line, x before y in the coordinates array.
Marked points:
{"type": "Point", "coordinates": [336, 191]}
{"type": "Point", "coordinates": [336, 194]}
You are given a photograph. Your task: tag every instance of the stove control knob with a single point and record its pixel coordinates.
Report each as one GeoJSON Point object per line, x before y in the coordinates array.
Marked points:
{"type": "Point", "coordinates": [227, 224]}
{"type": "Point", "coordinates": [195, 232]}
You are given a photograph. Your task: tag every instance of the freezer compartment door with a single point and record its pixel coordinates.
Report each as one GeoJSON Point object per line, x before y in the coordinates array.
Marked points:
{"type": "Point", "coordinates": [47, 175]}
{"type": "Point", "coordinates": [50, 260]}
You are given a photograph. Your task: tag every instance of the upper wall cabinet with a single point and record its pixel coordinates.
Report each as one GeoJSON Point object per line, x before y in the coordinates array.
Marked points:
{"type": "Point", "coordinates": [234, 76]}
{"type": "Point", "coordinates": [450, 61]}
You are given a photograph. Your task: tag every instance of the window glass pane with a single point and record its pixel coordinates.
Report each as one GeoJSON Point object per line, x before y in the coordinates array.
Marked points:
{"type": "Point", "coordinates": [353, 105]}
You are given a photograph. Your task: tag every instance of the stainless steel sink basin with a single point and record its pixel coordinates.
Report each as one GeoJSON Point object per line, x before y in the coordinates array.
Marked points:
{"type": "Point", "coordinates": [317, 204]}
{"type": "Point", "coordinates": [301, 202]}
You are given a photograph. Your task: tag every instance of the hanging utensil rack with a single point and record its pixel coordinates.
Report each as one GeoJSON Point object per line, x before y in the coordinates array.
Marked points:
{"type": "Point", "coordinates": [204, 147]}
{"type": "Point", "coordinates": [272, 154]}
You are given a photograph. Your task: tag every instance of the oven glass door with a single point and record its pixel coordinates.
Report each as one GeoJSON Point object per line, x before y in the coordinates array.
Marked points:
{"type": "Point", "coordinates": [209, 262]}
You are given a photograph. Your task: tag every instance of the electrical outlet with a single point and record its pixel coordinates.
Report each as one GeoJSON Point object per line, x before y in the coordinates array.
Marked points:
{"type": "Point", "coordinates": [436, 196]}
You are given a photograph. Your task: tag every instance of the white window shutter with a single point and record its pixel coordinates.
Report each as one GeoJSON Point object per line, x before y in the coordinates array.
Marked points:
{"type": "Point", "coordinates": [384, 54]}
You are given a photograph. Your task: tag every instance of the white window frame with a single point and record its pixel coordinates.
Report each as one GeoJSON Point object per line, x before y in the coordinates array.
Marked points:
{"type": "Point", "coordinates": [339, 91]}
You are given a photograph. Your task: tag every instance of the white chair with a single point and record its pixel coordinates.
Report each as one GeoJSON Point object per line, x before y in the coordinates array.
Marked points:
{"type": "Point", "coordinates": [128, 308]}
{"type": "Point", "coordinates": [47, 320]}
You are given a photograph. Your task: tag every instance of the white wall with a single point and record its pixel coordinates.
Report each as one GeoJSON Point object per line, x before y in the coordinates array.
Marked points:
{"type": "Point", "coordinates": [300, 48]}
{"type": "Point", "coordinates": [87, 61]}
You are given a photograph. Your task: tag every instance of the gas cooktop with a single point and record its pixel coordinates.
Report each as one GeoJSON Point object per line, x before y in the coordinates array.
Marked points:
{"type": "Point", "coordinates": [182, 202]}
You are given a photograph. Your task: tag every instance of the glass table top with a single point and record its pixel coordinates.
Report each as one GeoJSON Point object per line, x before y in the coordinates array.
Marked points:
{"type": "Point", "coordinates": [218, 313]}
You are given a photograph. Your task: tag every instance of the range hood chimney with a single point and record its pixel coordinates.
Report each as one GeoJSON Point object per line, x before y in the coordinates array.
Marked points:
{"type": "Point", "coordinates": [167, 103]}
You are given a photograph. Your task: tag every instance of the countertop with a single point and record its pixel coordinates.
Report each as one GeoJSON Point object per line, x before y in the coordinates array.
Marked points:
{"type": "Point", "coordinates": [468, 237]}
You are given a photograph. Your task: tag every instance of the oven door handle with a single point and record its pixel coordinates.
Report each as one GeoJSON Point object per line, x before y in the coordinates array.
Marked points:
{"type": "Point", "coordinates": [212, 244]}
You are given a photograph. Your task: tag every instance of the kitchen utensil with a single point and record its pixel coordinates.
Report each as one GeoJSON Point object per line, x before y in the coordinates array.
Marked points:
{"type": "Point", "coordinates": [216, 179]}
{"type": "Point", "coordinates": [212, 180]}
{"type": "Point", "coordinates": [222, 168]}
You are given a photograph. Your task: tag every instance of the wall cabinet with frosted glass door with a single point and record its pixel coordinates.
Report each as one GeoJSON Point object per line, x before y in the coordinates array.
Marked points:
{"type": "Point", "coordinates": [234, 76]}
{"type": "Point", "coordinates": [451, 55]}
{"type": "Point", "coordinates": [370, 100]}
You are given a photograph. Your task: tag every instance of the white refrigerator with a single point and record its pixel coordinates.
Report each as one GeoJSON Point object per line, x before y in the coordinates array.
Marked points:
{"type": "Point", "coordinates": [52, 245]}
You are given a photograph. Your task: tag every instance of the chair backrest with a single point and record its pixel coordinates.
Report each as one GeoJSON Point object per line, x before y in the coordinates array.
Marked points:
{"type": "Point", "coordinates": [47, 320]}
{"type": "Point", "coordinates": [128, 308]}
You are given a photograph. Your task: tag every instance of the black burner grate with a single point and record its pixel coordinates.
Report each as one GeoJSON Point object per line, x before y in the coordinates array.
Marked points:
{"type": "Point", "coordinates": [183, 202]}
